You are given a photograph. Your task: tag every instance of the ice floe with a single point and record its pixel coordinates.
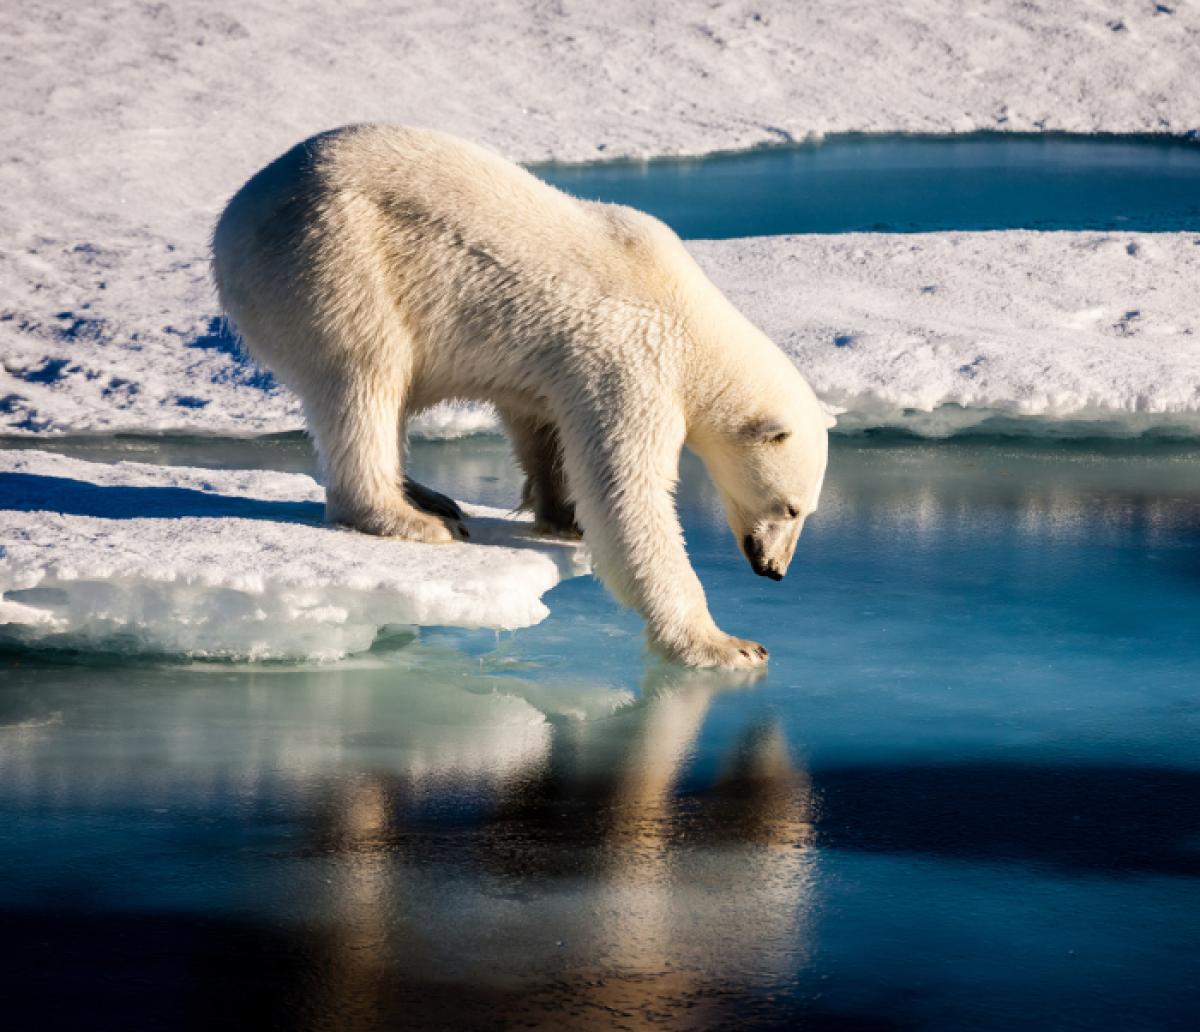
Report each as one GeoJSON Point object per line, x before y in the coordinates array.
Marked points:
{"type": "Point", "coordinates": [237, 563]}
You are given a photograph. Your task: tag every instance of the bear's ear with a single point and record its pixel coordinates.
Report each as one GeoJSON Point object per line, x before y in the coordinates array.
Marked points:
{"type": "Point", "coordinates": [765, 430]}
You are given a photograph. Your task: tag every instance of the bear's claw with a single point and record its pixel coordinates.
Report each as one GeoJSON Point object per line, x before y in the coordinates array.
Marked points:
{"type": "Point", "coordinates": [431, 501]}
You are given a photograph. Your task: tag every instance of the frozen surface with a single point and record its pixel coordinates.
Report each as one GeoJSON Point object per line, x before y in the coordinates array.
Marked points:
{"type": "Point", "coordinates": [135, 557]}
{"type": "Point", "coordinates": [127, 126]}
{"type": "Point", "coordinates": [1049, 332]}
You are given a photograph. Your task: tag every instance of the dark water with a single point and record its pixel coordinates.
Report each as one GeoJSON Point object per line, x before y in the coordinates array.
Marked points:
{"type": "Point", "coordinates": [911, 184]}
{"type": "Point", "coordinates": [965, 795]}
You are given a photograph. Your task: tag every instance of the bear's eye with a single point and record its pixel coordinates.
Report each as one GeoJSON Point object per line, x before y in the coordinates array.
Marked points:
{"type": "Point", "coordinates": [765, 431]}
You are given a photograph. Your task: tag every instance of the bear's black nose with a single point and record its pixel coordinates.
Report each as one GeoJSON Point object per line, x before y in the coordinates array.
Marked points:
{"type": "Point", "coordinates": [754, 553]}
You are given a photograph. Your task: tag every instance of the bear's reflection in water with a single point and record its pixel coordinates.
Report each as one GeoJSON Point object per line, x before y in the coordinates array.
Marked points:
{"type": "Point", "coordinates": [594, 888]}
{"type": "Point", "coordinates": [423, 855]}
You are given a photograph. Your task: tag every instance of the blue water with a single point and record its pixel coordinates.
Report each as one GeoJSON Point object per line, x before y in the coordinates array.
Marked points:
{"type": "Point", "coordinates": [966, 794]}
{"type": "Point", "coordinates": [911, 184]}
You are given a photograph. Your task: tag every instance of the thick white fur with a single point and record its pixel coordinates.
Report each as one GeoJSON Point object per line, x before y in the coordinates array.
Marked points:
{"type": "Point", "coordinates": [379, 270]}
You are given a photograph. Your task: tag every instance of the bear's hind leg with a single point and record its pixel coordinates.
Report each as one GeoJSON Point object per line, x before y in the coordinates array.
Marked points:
{"type": "Point", "coordinates": [539, 454]}
{"type": "Point", "coordinates": [355, 421]}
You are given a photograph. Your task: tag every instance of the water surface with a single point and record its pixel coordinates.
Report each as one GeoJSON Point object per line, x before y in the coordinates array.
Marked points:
{"type": "Point", "coordinates": [965, 794]}
{"type": "Point", "coordinates": [910, 184]}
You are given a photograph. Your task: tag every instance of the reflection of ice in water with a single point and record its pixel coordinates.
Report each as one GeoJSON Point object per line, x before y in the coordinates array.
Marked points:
{"type": "Point", "coordinates": [442, 831]}
{"type": "Point", "coordinates": [278, 731]}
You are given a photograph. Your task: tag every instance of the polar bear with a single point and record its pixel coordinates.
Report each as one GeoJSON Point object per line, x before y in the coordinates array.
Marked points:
{"type": "Point", "coordinates": [378, 270]}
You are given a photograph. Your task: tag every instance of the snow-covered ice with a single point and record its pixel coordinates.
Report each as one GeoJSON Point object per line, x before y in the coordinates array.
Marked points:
{"type": "Point", "coordinates": [237, 563]}
{"type": "Point", "coordinates": [1051, 332]}
{"type": "Point", "coordinates": [934, 332]}
{"type": "Point", "coordinates": [127, 125]}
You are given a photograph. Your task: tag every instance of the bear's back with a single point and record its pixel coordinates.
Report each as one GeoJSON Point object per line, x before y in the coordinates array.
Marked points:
{"type": "Point", "coordinates": [370, 181]}
{"type": "Point", "coordinates": [474, 195]}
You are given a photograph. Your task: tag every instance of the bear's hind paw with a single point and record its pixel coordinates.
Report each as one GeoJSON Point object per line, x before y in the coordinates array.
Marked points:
{"type": "Point", "coordinates": [406, 524]}
{"type": "Point", "coordinates": [545, 528]}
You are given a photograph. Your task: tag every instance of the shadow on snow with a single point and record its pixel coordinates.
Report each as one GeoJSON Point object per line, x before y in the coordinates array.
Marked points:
{"type": "Point", "coordinates": [27, 492]}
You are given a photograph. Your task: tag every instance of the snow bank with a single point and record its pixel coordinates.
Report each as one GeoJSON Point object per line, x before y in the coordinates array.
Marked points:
{"type": "Point", "coordinates": [1042, 332]}
{"type": "Point", "coordinates": [237, 563]}
{"type": "Point", "coordinates": [1035, 332]}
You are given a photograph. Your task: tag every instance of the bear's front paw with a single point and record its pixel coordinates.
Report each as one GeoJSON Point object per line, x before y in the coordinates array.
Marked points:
{"type": "Point", "coordinates": [720, 650]}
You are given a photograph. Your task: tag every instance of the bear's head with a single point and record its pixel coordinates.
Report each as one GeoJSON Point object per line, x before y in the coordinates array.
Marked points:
{"type": "Point", "coordinates": [769, 464]}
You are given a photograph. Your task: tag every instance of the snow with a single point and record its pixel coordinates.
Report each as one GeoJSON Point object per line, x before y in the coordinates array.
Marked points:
{"type": "Point", "coordinates": [1041, 332]}
{"type": "Point", "coordinates": [237, 563]}
{"type": "Point", "coordinates": [127, 125]}
{"type": "Point", "coordinates": [937, 333]}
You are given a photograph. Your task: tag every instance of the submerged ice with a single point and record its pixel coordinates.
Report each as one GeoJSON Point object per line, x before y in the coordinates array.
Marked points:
{"type": "Point", "coordinates": [238, 563]}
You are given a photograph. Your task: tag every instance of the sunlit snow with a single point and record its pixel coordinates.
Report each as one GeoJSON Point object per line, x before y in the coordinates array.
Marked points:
{"type": "Point", "coordinates": [238, 563]}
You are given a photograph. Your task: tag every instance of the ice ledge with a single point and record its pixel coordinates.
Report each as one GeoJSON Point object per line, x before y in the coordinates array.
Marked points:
{"type": "Point", "coordinates": [238, 564]}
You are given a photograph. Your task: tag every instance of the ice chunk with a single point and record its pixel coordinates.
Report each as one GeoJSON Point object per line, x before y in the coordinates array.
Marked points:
{"type": "Point", "coordinates": [450, 420]}
{"type": "Point", "coordinates": [238, 563]}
